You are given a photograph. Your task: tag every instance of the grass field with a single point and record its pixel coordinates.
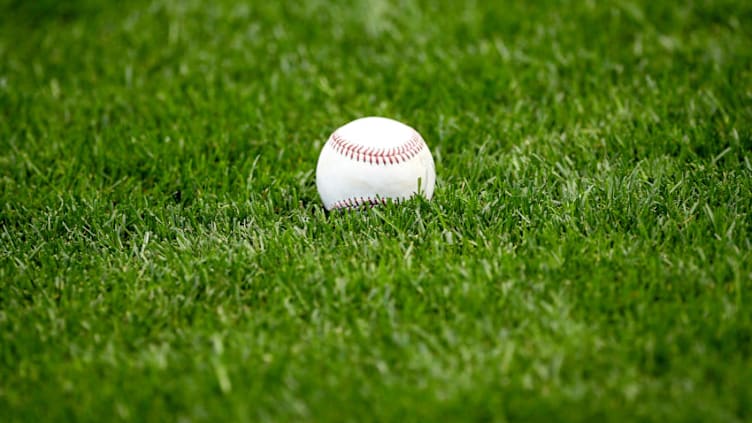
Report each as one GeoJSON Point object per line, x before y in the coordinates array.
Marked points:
{"type": "Point", "coordinates": [164, 255]}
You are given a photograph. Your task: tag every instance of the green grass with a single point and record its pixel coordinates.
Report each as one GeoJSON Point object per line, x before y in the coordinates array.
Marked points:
{"type": "Point", "coordinates": [164, 255]}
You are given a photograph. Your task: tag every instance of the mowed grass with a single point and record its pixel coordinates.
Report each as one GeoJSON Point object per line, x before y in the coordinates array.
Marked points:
{"type": "Point", "coordinates": [164, 255]}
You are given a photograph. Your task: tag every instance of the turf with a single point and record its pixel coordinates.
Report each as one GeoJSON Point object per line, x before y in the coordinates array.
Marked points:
{"type": "Point", "coordinates": [164, 255]}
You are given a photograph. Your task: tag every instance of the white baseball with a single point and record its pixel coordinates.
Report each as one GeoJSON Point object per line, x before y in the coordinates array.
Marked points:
{"type": "Point", "coordinates": [372, 160]}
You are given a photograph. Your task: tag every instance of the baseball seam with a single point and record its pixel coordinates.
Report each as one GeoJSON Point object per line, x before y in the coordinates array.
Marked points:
{"type": "Point", "coordinates": [378, 156]}
{"type": "Point", "coordinates": [356, 202]}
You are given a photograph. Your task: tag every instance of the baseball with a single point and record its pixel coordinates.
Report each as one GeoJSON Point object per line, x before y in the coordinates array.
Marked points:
{"type": "Point", "coordinates": [372, 160]}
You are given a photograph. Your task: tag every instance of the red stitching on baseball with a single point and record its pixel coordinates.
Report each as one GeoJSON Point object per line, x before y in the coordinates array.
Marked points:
{"type": "Point", "coordinates": [375, 155]}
